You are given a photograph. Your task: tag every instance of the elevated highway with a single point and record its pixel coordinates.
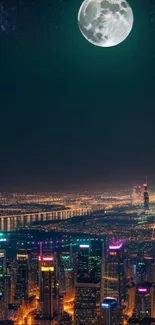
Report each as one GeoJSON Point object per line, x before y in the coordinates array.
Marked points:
{"type": "Point", "coordinates": [13, 222]}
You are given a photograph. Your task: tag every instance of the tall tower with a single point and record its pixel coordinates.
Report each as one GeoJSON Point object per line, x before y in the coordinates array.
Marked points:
{"type": "Point", "coordinates": [87, 287]}
{"type": "Point", "coordinates": [22, 274]}
{"type": "Point", "coordinates": [2, 261]}
{"type": "Point", "coordinates": [34, 270]}
{"type": "Point", "coordinates": [87, 301]}
{"type": "Point", "coordinates": [143, 301]}
{"type": "Point", "coordinates": [65, 273]}
{"type": "Point", "coordinates": [146, 196]}
{"type": "Point", "coordinates": [95, 259]}
{"type": "Point", "coordinates": [110, 311]}
{"type": "Point", "coordinates": [83, 260]}
{"type": "Point", "coordinates": [4, 295]}
{"type": "Point", "coordinates": [48, 286]}
{"type": "Point", "coordinates": [114, 274]}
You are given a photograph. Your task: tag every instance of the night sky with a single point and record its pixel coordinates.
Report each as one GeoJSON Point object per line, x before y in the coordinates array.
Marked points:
{"type": "Point", "coordinates": [74, 116]}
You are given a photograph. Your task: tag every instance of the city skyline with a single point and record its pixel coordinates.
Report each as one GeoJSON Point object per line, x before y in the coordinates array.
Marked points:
{"type": "Point", "coordinates": [75, 259]}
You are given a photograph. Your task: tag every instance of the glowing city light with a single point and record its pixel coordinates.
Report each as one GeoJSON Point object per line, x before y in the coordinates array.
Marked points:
{"type": "Point", "coordinates": [47, 258]}
{"type": "Point", "coordinates": [22, 256]}
{"type": "Point", "coordinates": [84, 246]}
{"type": "Point", "coordinates": [104, 305]}
{"type": "Point", "coordinates": [47, 268]}
{"type": "Point", "coordinates": [142, 289]}
{"type": "Point", "coordinates": [115, 246]}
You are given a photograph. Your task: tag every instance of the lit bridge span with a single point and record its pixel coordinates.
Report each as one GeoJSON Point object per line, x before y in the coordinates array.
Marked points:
{"type": "Point", "coordinates": [13, 222]}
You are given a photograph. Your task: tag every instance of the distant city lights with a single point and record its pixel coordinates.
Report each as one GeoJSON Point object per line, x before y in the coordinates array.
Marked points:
{"type": "Point", "coordinates": [142, 289]}
{"type": "Point", "coordinates": [84, 246]}
{"type": "Point", "coordinates": [47, 258]}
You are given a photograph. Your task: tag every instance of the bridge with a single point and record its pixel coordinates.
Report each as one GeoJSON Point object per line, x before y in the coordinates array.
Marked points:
{"type": "Point", "coordinates": [13, 222]}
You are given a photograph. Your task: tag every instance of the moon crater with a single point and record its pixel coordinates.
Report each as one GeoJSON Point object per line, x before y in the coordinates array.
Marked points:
{"type": "Point", "coordinates": [105, 23]}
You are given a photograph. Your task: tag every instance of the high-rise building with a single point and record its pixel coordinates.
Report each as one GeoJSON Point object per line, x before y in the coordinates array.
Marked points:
{"type": "Point", "coordinates": [33, 270]}
{"type": "Point", "coordinates": [143, 301]}
{"type": "Point", "coordinates": [83, 260]}
{"type": "Point", "coordinates": [49, 297]}
{"type": "Point", "coordinates": [146, 197]}
{"type": "Point", "coordinates": [65, 274]}
{"type": "Point", "coordinates": [4, 295]}
{"type": "Point", "coordinates": [87, 301]}
{"type": "Point", "coordinates": [22, 276]}
{"type": "Point", "coordinates": [110, 311]}
{"type": "Point", "coordinates": [145, 270]}
{"type": "Point", "coordinates": [113, 273]}
{"type": "Point", "coordinates": [141, 272]}
{"type": "Point", "coordinates": [2, 261]}
{"type": "Point", "coordinates": [11, 270]}
{"type": "Point", "coordinates": [95, 260]}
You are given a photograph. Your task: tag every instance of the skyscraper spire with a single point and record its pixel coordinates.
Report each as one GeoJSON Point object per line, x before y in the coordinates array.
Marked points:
{"type": "Point", "coordinates": [146, 196]}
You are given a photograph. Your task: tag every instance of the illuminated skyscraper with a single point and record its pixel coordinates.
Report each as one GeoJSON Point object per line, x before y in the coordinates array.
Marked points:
{"type": "Point", "coordinates": [12, 272]}
{"type": "Point", "coordinates": [87, 301]}
{"type": "Point", "coordinates": [33, 270]}
{"type": "Point", "coordinates": [110, 311]}
{"type": "Point", "coordinates": [141, 272]}
{"type": "Point", "coordinates": [83, 260]}
{"type": "Point", "coordinates": [95, 260]}
{"type": "Point", "coordinates": [146, 197]}
{"type": "Point", "coordinates": [48, 287]}
{"type": "Point", "coordinates": [4, 295]}
{"type": "Point", "coordinates": [114, 274]}
{"type": "Point", "coordinates": [145, 270]}
{"type": "Point", "coordinates": [65, 274]}
{"type": "Point", "coordinates": [2, 261]}
{"type": "Point", "coordinates": [22, 275]}
{"type": "Point", "coordinates": [142, 301]}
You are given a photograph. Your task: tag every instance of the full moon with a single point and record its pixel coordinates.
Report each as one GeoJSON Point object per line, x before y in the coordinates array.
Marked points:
{"type": "Point", "coordinates": [105, 23]}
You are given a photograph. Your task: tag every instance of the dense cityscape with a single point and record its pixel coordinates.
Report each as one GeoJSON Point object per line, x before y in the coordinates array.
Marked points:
{"type": "Point", "coordinates": [77, 258]}
{"type": "Point", "coordinates": [77, 139]}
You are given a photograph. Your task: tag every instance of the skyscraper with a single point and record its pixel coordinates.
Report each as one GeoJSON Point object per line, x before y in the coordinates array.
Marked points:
{"type": "Point", "coordinates": [95, 259]}
{"type": "Point", "coordinates": [113, 273]}
{"type": "Point", "coordinates": [48, 287]}
{"type": "Point", "coordinates": [143, 301]}
{"type": "Point", "coordinates": [34, 270]}
{"type": "Point", "coordinates": [146, 197]}
{"type": "Point", "coordinates": [87, 301]}
{"type": "Point", "coordinates": [65, 274]}
{"type": "Point", "coordinates": [4, 295]}
{"type": "Point", "coordinates": [2, 261]}
{"type": "Point", "coordinates": [22, 275]}
{"type": "Point", "coordinates": [110, 311]}
{"type": "Point", "coordinates": [83, 260]}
